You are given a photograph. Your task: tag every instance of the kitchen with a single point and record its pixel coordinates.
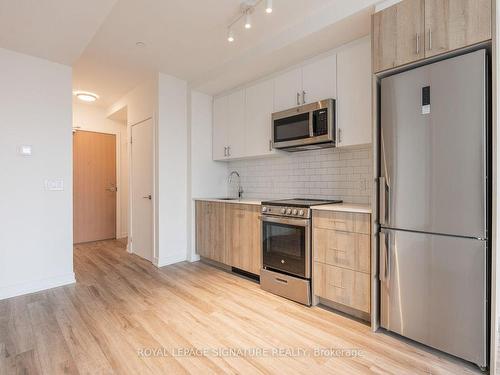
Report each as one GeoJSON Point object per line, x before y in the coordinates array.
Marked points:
{"type": "Point", "coordinates": [250, 186]}
{"type": "Point", "coordinates": [310, 217]}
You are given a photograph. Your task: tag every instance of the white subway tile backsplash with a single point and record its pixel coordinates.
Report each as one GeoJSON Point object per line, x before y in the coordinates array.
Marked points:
{"type": "Point", "coordinates": [323, 174]}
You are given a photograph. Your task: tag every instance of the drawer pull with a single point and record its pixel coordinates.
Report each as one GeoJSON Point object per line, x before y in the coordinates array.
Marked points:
{"type": "Point", "coordinates": [282, 281]}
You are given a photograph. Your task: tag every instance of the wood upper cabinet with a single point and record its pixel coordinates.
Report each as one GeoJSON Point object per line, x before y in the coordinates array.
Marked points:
{"type": "Point", "coordinates": [243, 237]}
{"type": "Point", "coordinates": [453, 24]}
{"type": "Point", "coordinates": [210, 231]}
{"type": "Point", "coordinates": [397, 35]}
{"type": "Point", "coordinates": [414, 29]}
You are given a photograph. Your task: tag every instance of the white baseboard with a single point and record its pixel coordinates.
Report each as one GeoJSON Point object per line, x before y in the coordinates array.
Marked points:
{"type": "Point", "coordinates": [36, 286]}
{"type": "Point", "coordinates": [172, 259]}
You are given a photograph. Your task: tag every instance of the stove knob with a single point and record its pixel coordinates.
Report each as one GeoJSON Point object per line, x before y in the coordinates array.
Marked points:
{"type": "Point", "coordinates": [301, 212]}
{"type": "Point", "coordinates": [294, 211]}
{"type": "Point", "coordinates": [283, 211]}
{"type": "Point", "coordinates": [288, 211]}
{"type": "Point", "coordinates": [264, 209]}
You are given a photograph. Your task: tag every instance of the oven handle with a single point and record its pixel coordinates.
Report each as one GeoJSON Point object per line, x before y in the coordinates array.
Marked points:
{"type": "Point", "coordinates": [286, 220]}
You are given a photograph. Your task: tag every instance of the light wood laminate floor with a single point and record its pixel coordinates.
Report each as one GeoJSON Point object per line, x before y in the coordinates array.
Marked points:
{"type": "Point", "coordinates": [122, 309]}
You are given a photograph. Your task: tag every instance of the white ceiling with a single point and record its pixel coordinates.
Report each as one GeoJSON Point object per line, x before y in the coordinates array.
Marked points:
{"type": "Point", "coordinates": [184, 38]}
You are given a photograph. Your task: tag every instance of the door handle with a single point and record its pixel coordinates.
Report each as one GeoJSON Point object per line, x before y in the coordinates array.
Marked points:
{"type": "Point", "coordinates": [303, 97]}
{"type": "Point", "coordinates": [382, 200]}
{"type": "Point", "coordinates": [418, 44]}
{"type": "Point", "coordinates": [384, 260]}
{"type": "Point", "coordinates": [147, 197]}
{"type": "Point", "coordinates": [112, 189]}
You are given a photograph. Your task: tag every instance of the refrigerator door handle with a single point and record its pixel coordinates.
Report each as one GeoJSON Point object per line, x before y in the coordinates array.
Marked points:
{"type": "Point", "coordinates": [382, 200]}
{"type": "Point", "coordinates": [384, 263]}
{"type": "Point", "coordinates": [384, 257]}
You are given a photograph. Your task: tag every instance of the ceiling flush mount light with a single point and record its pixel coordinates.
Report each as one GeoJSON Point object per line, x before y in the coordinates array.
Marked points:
{"type": "Point", "coordinates": [140, 44]}
{"type": "Point", "coordinates": [86, 96]}
{"type": "Point", "coordinates": [246, 10]}
{"type": "Point", "coordinates": [269, 6]}
{"type": "Point", "coordinates": [230, 35]}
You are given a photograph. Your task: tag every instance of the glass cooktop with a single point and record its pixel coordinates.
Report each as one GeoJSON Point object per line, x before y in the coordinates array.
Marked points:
{"type": "Point", "coordinates": [297, 202]}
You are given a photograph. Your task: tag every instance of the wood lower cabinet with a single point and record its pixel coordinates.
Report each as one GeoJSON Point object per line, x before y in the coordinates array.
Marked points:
{"type": "Point", "coordinates": [243, 237]}
{"type": "Point", "coordinates": [341, 258]}
{"type": "Point", "coordinates": [210, 231]}
{"type": "Point", "coordinates": [229, 233]}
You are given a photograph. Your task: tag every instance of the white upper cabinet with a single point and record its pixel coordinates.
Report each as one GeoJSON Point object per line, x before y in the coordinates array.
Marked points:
{"type": "Point", "coordinates": [236, 124]}
{"type": "Point", "coordinates": [219, 129]}
{"type": "Point", "coordinates": [319, 80]}
{"type": "Point", "coordinates": [354, 85]}
{"type": "Point", "coordinates": [242, 120]}
{"type": "Point", "coordinates": [287, 90]}
{"type": "Point", "coordinates": [258, 110]}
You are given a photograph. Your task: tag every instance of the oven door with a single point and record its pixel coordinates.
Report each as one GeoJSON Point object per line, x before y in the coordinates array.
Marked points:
{"type": "Point", "coordinates": [286, 245]}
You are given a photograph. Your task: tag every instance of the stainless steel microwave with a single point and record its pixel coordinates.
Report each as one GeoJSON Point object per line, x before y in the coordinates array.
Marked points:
{"type": "Point", "coordinates": [307, 127]}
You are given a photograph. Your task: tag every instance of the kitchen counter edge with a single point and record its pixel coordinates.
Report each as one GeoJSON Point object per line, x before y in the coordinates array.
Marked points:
{"type": "Point", "coordinates": [345, 207]}
{"type": "Point", "coordinates": [255, 202]}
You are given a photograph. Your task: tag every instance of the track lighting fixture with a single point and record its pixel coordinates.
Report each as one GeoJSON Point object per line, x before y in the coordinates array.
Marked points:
{"type": "Point", "coordinates": [247, 9]}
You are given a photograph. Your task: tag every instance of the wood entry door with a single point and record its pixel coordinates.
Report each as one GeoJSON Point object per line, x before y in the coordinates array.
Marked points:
{"type": "Point", "coordinates": [94, 186]}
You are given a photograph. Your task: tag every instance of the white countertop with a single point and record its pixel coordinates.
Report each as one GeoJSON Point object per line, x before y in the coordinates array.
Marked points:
{"type": "Point", "coordinates": [256, 202]}
{"type": "Point", "coordinates": [345, 207]}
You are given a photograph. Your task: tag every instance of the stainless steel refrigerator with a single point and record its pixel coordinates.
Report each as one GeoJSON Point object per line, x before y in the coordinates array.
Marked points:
{"type": "Point", "coordinates": [433, 200]}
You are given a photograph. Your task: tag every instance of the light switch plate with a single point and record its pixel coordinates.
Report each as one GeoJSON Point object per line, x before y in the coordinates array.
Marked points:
{"type": "Point", "coordinates": [56, 184]}
{"type": "Point", "coordinates": [25, 150]}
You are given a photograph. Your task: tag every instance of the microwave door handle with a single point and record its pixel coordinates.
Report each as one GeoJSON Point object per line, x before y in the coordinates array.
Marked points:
{"type": "Point", "coordinates": [311, 124]}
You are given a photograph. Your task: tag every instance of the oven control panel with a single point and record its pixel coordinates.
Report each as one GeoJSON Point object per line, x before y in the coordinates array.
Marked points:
{"type": "Point", "coordinates": [299, 212]}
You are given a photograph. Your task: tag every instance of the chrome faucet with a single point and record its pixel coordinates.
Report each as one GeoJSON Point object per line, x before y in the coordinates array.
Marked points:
{"type": "Point", "coordinates": [240, 188]}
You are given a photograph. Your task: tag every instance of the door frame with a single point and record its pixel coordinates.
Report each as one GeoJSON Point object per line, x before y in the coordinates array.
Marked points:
{"type": "Point", "coordinates": [118, 154]}
{"type": "Point", "coordinates": [130, 242]}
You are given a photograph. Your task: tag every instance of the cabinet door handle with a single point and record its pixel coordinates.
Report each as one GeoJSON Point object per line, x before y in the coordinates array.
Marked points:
{"type": "Point", "coordinates": [228, 150]}
{"type": "Point", "coordinates": [225, 151]}
{"type": "Point", "coordinates": [430, 39]}
{"type": "Point", "coordinates": [340, 136]}
{"type": "Point", "coordinates": [418, 44]}
{"type": "Point", "coordinates": [303, 97]}
{"type": "Point", "coordinates": [270, 145]}
{"type": "Point", "coordinates": [298, 99]}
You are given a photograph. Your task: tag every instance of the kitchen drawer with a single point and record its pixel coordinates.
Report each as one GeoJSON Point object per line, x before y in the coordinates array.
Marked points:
{"type": "Point", "coordinates": [343, 249]}
{"type": "Point", "coordinates": [343, 221]}
{"type": "Point", "coordinates": [341, 285]}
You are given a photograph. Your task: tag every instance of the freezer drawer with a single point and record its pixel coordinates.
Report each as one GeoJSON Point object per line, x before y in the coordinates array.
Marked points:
{"type": "Point", "coordinates": [433, 290]}
{"type": "Point", "coordinates": [433, 157]}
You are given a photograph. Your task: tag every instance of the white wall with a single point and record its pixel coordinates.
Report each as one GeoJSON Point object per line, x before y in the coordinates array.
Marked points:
{"type": "Point", "coordinates": [171, 170]}
{"type": "Point", "coordinates": [207, 178]}
{"type": "Point", "coordinates": [36, 250]}
{"type": "Point", "coordinates": [93, 118]}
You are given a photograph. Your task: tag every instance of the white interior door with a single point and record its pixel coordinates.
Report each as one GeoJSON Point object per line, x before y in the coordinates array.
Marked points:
{"type": "Point", "coordinates": [142, 189]}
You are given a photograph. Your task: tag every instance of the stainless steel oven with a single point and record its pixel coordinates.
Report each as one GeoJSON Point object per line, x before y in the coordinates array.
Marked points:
{"type": "Point", "coordinates": [306, 127]}
{"type": "Point", "coordinates": [286, 248]}
{"type": "Point", "coordinates": [286, 244]}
